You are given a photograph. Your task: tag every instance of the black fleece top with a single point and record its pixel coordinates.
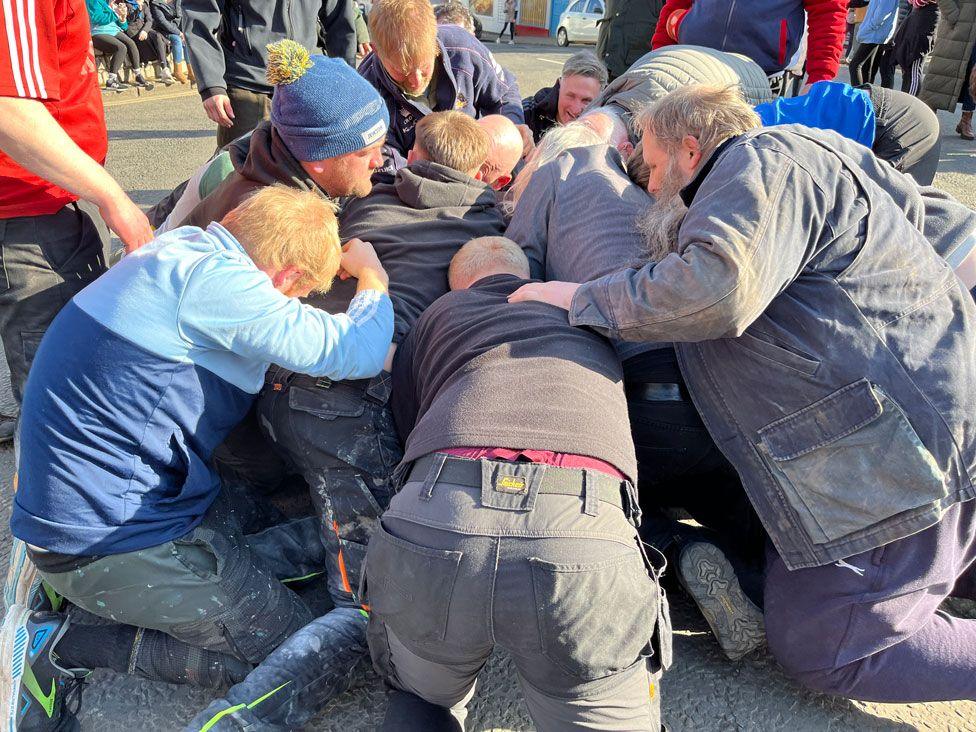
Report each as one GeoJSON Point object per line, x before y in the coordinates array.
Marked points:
{"type": "Point", "coordinates": [478, 371]}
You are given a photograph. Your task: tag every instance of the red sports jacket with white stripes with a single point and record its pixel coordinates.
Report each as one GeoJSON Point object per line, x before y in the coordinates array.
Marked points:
{"type": "Point", "coordinates": [46, 54]}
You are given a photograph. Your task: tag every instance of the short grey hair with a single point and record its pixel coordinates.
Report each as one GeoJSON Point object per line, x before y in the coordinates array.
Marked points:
{"type": "Point", "coordinates": [710, 114]}
{"type": "Point", "coordinates": [454, 13]}
{"type": "Point", "coordinates": [481, 256]}
{"type": "Point", "coordinates": [555, 142]}
{"type": "Point", "coordinates": [585, 63]}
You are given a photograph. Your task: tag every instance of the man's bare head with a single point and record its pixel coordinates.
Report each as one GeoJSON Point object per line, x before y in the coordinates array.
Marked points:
{"type": "Point", "coordinates": [505, 152]}
{"type": "Point", "coordinates": [485, 256]}
{"type": "Point", "coordinates": [451, 139]}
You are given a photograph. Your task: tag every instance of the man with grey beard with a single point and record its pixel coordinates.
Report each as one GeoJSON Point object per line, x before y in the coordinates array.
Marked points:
{"type": "Point", "coordinates": [831, 351]}
{"type": "Point", "coordinates": [678, 464]}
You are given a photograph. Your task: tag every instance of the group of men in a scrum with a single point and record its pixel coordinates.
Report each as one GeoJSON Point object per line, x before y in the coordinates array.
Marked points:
{"type": "Point", "coordinates": [507, 395]}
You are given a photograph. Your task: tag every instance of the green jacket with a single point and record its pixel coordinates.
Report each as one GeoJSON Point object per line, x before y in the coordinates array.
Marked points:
{"type": "Point", "coordinates": [954, 41]}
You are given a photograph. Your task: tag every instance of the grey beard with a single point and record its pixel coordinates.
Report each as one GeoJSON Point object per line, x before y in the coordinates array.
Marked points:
{"type": "Point", "coordinates": [659, 226]}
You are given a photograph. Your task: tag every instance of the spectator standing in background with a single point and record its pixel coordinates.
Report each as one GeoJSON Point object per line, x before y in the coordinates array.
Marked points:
{"type": "Point", "coordinates": [874, 39]}
{"type": "Point", "coordinates": [166, 19]}
{"type": "Point", "coordinates": [948, 79]}
{"type": "Point", "coordinates": [767, 31]}
{"type": "Point", "coordinates": [511, 15]}
{"type": "Point", "coordinates": [624, 31]}
{"type": "Point", "coordinates": [108, 24]}
{"type": "Point", "coordinates": [582, 80]}
{"type": "Point", "coordinates": [151, 44]}
{"type": "Point", "coordinates": [228, 51]}
{"type": "Point", "coordinates": [54, 192]}
{"type": "Point", "coordinates": [913, 42]}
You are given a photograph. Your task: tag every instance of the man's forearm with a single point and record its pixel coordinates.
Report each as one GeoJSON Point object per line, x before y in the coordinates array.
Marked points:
{"type": "Point", "coordinates": [33, 139]}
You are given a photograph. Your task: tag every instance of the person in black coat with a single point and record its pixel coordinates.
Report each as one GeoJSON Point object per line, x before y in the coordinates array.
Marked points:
{"type": "Point", "coordinates": [167, 20]}
{"type": "Point", "coordinates": [151, 44]}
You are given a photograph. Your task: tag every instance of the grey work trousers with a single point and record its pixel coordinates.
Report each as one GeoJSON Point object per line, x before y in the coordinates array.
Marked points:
{"type": "Point", "coordinates": [559, 581]}
{"type": "Point", "coordinates": [44, 262]}
{"type": "Point", "coordinates": [250, 110]}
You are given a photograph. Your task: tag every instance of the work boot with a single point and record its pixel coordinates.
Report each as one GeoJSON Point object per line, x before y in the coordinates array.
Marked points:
{"type": "Point", "coordinates": [179, 72]}
{"type": "Point", "coordinates": [707, 575]}
{"type": "Point", "coordinates": [34, 687]}
{"type": "Point", "coordinates": [965, 126]}
{"type": "Point", "coordinates": [8, 426]}
{"type": "Point", "coordinates": [296, 680]}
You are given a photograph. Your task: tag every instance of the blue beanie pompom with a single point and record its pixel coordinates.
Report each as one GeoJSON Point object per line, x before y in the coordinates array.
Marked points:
{"type": "Point", "coordinates": [322, 107]}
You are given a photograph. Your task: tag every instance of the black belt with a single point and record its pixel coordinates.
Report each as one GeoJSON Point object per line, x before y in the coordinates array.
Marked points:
{"type": "Point", "coordinates": [555, 480]}
{"type": "Point", "coordinates": [657, 392]}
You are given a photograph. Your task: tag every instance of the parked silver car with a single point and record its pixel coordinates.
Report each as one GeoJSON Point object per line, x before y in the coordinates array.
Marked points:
{"type": "Point", "coordinates": [577, 24]}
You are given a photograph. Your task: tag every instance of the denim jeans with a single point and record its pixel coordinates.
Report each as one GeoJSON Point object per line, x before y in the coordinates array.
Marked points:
{"type": "Point", "coordinates": [965, 97]}
{"type": "Point", "coordinates": [176, 46]}
{"type": "Point", "coordinates": [44, 262]}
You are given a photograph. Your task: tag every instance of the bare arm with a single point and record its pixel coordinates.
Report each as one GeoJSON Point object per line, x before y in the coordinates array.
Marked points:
{"type": "Point", "coordinates": [34, 140]}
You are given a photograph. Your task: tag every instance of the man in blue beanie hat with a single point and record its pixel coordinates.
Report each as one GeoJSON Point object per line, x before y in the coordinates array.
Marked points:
{"type": "Point", "coordinates": [326, 133]}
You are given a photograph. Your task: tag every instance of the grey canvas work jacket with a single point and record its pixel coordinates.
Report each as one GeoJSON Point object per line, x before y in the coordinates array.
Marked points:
{"type": "Point", "coordinates": [828, 347]}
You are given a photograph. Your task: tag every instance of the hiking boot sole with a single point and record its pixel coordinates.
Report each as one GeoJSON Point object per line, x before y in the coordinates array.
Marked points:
{"type": "Point", "coordinates": [709, 578]}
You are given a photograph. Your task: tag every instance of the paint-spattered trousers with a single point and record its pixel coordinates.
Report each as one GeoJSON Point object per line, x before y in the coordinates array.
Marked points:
{"type": "Point", "coordinates": [340, 437]}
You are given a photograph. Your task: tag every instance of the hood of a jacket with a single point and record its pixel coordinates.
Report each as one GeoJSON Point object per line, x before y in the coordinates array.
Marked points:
{"type": "Point", "coordinates": [266, 160]}
{"type": "Point", "coordinates": [424, 184]}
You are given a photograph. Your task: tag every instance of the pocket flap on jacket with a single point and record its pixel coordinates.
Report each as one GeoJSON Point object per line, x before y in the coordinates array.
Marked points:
{"type": "Point", "coordinates": [833, 417]}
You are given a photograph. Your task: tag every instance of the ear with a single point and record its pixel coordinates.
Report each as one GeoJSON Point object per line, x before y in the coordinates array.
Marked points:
{"type": "Point", "coordinates": [690, 151]}
{"type": "Point", "coordinates": [479, 174]}
{"type": "Point", "coordinates": [626, 149]}
{"type": "Point", "coordinates": [501, 182]}
{"type": "Point", "coordinates": [411, 155]}
{"type": "Point", "coordinates": [284, 279]}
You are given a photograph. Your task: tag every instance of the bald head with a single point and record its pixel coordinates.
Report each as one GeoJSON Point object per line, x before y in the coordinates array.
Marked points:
{"type": "Point", "coordinates": [485, 256]}
{"type": "Point", "coordinates": [506, 150]}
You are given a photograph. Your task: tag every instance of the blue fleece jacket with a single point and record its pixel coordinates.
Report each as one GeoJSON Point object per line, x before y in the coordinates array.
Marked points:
{"type": "Point", "coordinates": [829, 105]}
{"type": "Point", "coordinates": [147, 370]}
{"type": "Point", "coordinates": [468, 79]}
{"type": "Point", "coordinates": [879, 22]}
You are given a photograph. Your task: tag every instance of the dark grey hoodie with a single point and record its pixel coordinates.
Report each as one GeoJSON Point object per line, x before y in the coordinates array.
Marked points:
{"type": "Point", "coordinates": [416, 223]}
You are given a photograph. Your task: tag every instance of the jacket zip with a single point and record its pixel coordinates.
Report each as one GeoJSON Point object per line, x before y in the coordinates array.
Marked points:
{"type": "Point", "coordinates": [728, 22]}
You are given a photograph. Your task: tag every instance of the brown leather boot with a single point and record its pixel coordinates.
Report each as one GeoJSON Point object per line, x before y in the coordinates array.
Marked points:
{"type": "Point", "coordinates": [179, 72]}
{"type": "Point", "coordinates": [965, 126]}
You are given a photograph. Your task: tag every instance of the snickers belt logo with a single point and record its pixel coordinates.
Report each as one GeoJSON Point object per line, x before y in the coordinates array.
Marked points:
{"type": "Point", "coordinates": [509, 484]}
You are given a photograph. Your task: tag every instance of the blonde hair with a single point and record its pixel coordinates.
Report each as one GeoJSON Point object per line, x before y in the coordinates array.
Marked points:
{"type": "Point", "coordinates": [453, 139]}
{"type": "Point", "coordinates": [286, 227]}
{"type": "Point", "coordinates": [710, 114]}
{"type": "Point", "coordinates": [483, 256]}
{"type": "Point", "coordinates": [555, 142]}
{"type": "Point", "coordinates": [405, 31]}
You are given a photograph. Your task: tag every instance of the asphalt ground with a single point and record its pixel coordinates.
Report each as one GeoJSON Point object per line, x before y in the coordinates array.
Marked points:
{"type": "Point", "coordinates": [157, 139]}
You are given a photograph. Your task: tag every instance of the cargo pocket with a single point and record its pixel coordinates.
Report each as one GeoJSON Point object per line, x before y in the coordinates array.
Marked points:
{"type": "Point", "coordinates": [850, 461]}
{"type": "Point", "coordinates": [595, 619]}
{"type": "Point", "coordinates": [409, 587]}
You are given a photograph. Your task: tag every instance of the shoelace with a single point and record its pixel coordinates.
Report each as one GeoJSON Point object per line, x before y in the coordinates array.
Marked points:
{"type": "Point", "coordinates": [73, 689]}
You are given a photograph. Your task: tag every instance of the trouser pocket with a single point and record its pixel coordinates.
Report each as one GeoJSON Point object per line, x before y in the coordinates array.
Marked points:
{"type": "Point", "coordinates": [595, 619]}
{"type": "Point", "coordinates": [410, 587]}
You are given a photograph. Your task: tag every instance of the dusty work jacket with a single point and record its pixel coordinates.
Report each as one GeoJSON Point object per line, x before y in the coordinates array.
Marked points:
{"type": "Point", "coordinates": [829, 348]}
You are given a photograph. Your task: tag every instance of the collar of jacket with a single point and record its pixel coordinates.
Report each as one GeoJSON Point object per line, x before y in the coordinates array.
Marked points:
{"type": "Point", "coordinates": [267, 161]}
{"type": "Point", "coordinates": [689, 192]}
{"type": "Point", "coordinates": [444, 75]}
{"type": "Point", "coordinates": [424, 184]}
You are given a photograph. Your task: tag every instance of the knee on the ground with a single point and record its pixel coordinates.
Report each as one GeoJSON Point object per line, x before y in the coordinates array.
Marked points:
{"type": "Point", "coordinates": [782, 644]}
